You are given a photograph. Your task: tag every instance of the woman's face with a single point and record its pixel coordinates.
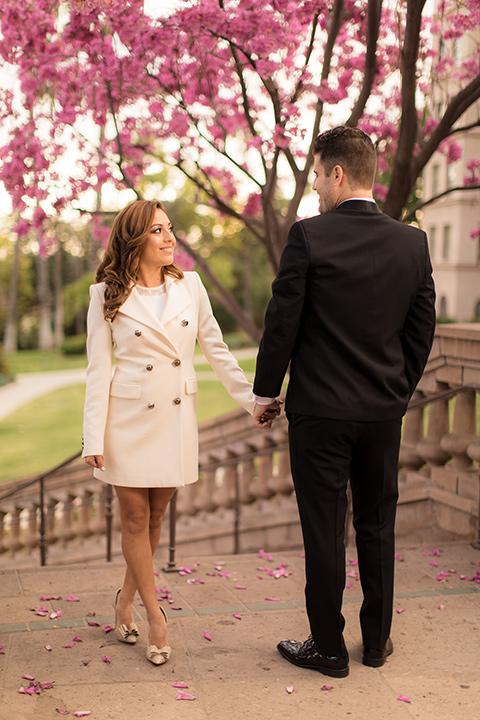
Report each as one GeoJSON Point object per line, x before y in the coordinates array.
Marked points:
{"type": "Point", "coordinates": [160, 243]}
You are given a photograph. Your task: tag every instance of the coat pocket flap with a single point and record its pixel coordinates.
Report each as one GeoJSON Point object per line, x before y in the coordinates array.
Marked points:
{"type": "Point", "coordinates": [191, 385]}
{"type": "Point", "coordinates": [125, 390]}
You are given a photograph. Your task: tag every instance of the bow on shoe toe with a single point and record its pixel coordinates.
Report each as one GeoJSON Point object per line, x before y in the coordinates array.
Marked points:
{"type": "Point", "coordinates": [124, 633]}
{"type": "Point", "coordinates": [158, 656]}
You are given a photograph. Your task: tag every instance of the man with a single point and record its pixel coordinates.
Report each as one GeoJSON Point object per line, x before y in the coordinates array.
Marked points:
{"type": "Point", "coordinates": [353, 312]}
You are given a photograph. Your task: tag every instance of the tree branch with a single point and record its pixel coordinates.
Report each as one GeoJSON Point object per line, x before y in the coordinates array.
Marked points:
{"type": "Point", "coordinates": [402, 179]}
{"type": "Point", "coordinates": [226, 298]}
{"type": "Point", "coordinates": [374, 14]}
{"type": "Point", "coordinates": [423, 203]}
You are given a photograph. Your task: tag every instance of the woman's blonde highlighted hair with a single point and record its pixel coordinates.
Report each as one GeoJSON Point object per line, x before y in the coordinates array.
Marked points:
{"type": "Point", "coordinates": [119, 267]}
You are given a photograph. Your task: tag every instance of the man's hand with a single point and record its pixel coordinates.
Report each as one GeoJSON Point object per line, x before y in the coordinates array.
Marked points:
{"type": "Point", "coordinates": [264, 415]}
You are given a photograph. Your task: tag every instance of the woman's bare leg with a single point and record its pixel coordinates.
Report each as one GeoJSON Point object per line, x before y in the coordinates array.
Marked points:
{"type": "Point", "coordinates": [141, 512]}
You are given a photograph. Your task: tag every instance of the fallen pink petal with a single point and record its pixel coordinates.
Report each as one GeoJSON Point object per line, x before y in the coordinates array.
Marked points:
{"type": "Point", "coordinates": [185, 696]}
{"type": "Point", "coordinates": [61, 711]}
{"type": "Point", "coordinates": [179, 685]}
{"type": "Point", "coordinates": [206, 635]}
{"type": "Point", "coordinates": [28, 677]}
{"type": "Point", "coordinates": [327, 687]}
{"type": "Point", "coordinates": [404, 698]}
{"type": "Point", "coordinates": [240, 587]}
{"type": "Point", "coordinates": [400, 610]}
{"type": "Point", "coordinates": [349, 585]}
{"type": "Point", "coordinates": [434, 563]}
{"type": "Point", "coordinates": [441, 607]}
{"type": "Point", "coordinates": [82, 713]}
{"type": "Point", "coordinates": [68, 645]}
{"type": "Point", "coordinates": [46, 685]}
{"type": "Point", "coordinates": [48, 647]}
{"type": "Point", "coordinates": [106, 659]}
{"type": "Point", "coordinates": [289, 689]}
{"type": "Point", "coordinates": [50, 597]}
{"type": "Point", "coordinates": [56, 614]}
{"type": "Point", "coordinates": [237, 615]}
{"type": "Point", "coordinates": [72, 598]}
{"type": "Point", "coordinates": [92, 623]}
{"type": "Point", "coordinates": [272, 599]}
{"type": "Point", "coordinates": [77, 639]}
{"type": "Point", "coordinates": [108, 628]}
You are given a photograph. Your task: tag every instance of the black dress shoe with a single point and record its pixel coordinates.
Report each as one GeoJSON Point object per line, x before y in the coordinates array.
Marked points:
{"type": "Point", "coordinates": [376, 658]}
{"type": "Point", "coordinates": [306, 655]}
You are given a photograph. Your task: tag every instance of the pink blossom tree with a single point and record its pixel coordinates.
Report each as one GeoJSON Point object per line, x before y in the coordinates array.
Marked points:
{"type": "Point", "coordinates": [230, 93]}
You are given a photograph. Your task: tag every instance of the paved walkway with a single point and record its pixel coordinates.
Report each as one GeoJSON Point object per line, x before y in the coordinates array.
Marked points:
{"type": "Point", "coordinates": [238, 674]}
{"type": "Point", "coordinates": [29, 386]}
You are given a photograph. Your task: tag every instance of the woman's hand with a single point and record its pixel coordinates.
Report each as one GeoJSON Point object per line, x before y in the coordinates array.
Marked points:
{"type": "Point", "coordinates": [96, 461]}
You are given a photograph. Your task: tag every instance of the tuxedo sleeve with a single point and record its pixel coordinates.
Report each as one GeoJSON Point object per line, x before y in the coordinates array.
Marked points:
{"type": "Point", "coordinates": [283, 315]}
{"type": "Point", "coordinates": [419, 326]}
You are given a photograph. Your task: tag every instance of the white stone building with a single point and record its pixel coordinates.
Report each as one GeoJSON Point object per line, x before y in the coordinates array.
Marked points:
{"type": "Point", "coordinates": [450, 220]}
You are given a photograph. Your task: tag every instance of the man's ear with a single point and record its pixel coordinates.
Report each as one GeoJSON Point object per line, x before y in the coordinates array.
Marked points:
{"type": "Point", "coordinates": [338, 174]}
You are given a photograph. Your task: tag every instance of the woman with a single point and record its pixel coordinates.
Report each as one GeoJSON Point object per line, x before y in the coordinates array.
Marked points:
{"type": "Point", "coordinates": [140, 429]}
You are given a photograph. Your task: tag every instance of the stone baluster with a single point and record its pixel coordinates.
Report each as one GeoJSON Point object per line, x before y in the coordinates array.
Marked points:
{"type": "Point", "coordinates": [246, 476]}
{"type": "Point", "coordinates": [411, 437]}
{"type": "Point", "coordinates": [3, 546]}
{"type": "Point", "coordinates": [14, 541]}
{"type": "Point", "coordinates": [89, 522]}
{"type": "Point", "coordinates": [30, 539]}
{"type": "Point", "coordinates": [429, 448]}
{"type": "Point", "coordinates": [52, 531]}
{"type": "Point", "coordinates": [206, 487]}
{"type": "Point", "coordinates": [259, 487]}
{"type": "Point", "coordinates": [281, 481]}
{"type": "Point", "coordinates": [67, 531]}
{"type": "Point", "coordinates": [473, 450]}
{"type": "Point", "coordinates": [186, 500]}
{"type": "Point", "coordinates": [224, 495]}
{"type": "Point", "coordinates": [464, 430]}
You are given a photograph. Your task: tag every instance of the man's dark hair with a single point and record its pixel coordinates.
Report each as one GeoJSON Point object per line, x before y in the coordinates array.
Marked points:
{"type": "Point", "coordinates": [350, 148]}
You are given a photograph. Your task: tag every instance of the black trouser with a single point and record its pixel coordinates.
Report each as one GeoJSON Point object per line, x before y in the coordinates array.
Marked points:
{"type": "Point", "coordinates": [324, 453]}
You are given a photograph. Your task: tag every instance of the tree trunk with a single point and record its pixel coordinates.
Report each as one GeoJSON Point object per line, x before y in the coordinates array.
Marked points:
{"type": "Point", "coordinates": [10, 342]}
{"type": "Point", "coordinates": [59, 322]}
{"type": "Point", "coordinates": [45, 336]}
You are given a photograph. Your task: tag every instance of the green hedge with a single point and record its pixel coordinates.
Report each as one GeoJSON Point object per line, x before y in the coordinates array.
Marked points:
{"type": "Point", "coordinates": [74, 345]}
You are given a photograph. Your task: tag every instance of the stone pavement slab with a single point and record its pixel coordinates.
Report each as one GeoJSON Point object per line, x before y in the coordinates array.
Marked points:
{"type": "Point", "coordinates": [238, 674]}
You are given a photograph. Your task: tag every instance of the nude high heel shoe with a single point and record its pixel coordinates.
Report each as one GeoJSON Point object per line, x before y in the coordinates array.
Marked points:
{"type": "Point", "coordinates": [158, 656]}
{"type": "Point", "coordinates": [126, 634]}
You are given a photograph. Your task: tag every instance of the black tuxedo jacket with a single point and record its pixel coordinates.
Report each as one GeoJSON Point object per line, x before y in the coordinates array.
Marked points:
{"type": "Point", "coordinates": [353, 310]}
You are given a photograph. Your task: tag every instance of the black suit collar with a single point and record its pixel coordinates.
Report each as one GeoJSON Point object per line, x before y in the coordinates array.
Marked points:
{"type": "Point", "coordinates": [358, 206]}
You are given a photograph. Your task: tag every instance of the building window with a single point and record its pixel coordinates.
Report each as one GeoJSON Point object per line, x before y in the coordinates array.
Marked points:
{"type": "Point", "coordinates": [435, 179]}
{"type": "Point", "coordinates": [456, 50]}
{"type": "Point", "coordinates": [450, 178]}
{"type": "Point", "coordinates": [446, 242]}
{"type": "Point", "coordinates": [432, 238]}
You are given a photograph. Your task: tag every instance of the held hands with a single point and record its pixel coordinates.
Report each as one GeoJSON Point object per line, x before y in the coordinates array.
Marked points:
{"type": "Point", "coordinates": [264, 415]}
{"type": "Point", "coordinates": [96, 461]}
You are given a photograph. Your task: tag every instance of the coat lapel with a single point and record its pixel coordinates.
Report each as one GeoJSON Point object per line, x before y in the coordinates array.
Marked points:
{"type": "Point", "coordinates": [177, 300]}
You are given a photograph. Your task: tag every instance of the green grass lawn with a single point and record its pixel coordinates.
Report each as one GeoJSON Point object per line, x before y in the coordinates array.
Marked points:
{"type": "Point", "coordinates": [25, 361]}
{"type": "Point", "coordinates": [46, 431]}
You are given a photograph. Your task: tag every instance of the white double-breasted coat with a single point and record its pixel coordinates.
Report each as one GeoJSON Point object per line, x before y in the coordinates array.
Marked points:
{"type": "Point", "coordinates": [143, 419]}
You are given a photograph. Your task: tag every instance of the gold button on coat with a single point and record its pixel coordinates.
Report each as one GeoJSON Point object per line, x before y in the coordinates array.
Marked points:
{"type": "Point", "coordinates": [150, 406]}
{"type": "Point", "coordinates": [138, 333]}
{"type": "Point", "coordinates": [184, 323]}
{"type": "Point", "coordinates": [149, 367]}
{"type": "Point", "coordinates": [176, 363]}
{"type": "Point", "coordinates": [176, 401]}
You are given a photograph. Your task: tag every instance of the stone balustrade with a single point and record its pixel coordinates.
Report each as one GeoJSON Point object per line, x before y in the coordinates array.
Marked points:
{"type": "Point", "coordinates": [247, 469]}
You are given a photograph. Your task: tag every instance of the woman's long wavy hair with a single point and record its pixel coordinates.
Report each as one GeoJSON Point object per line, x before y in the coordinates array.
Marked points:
{"type": "Point", "coordinates": [119, 267]}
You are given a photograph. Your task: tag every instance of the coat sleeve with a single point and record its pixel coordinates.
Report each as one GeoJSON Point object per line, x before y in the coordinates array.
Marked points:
{"type": "Point", "coordinates": [283, 315]}
{"type": "Point", "coordinates": [419, 327]}
{"type": "Point", "coordinates": [99, 374]}
{"type": "Point", "coordinates": [218, 355]}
